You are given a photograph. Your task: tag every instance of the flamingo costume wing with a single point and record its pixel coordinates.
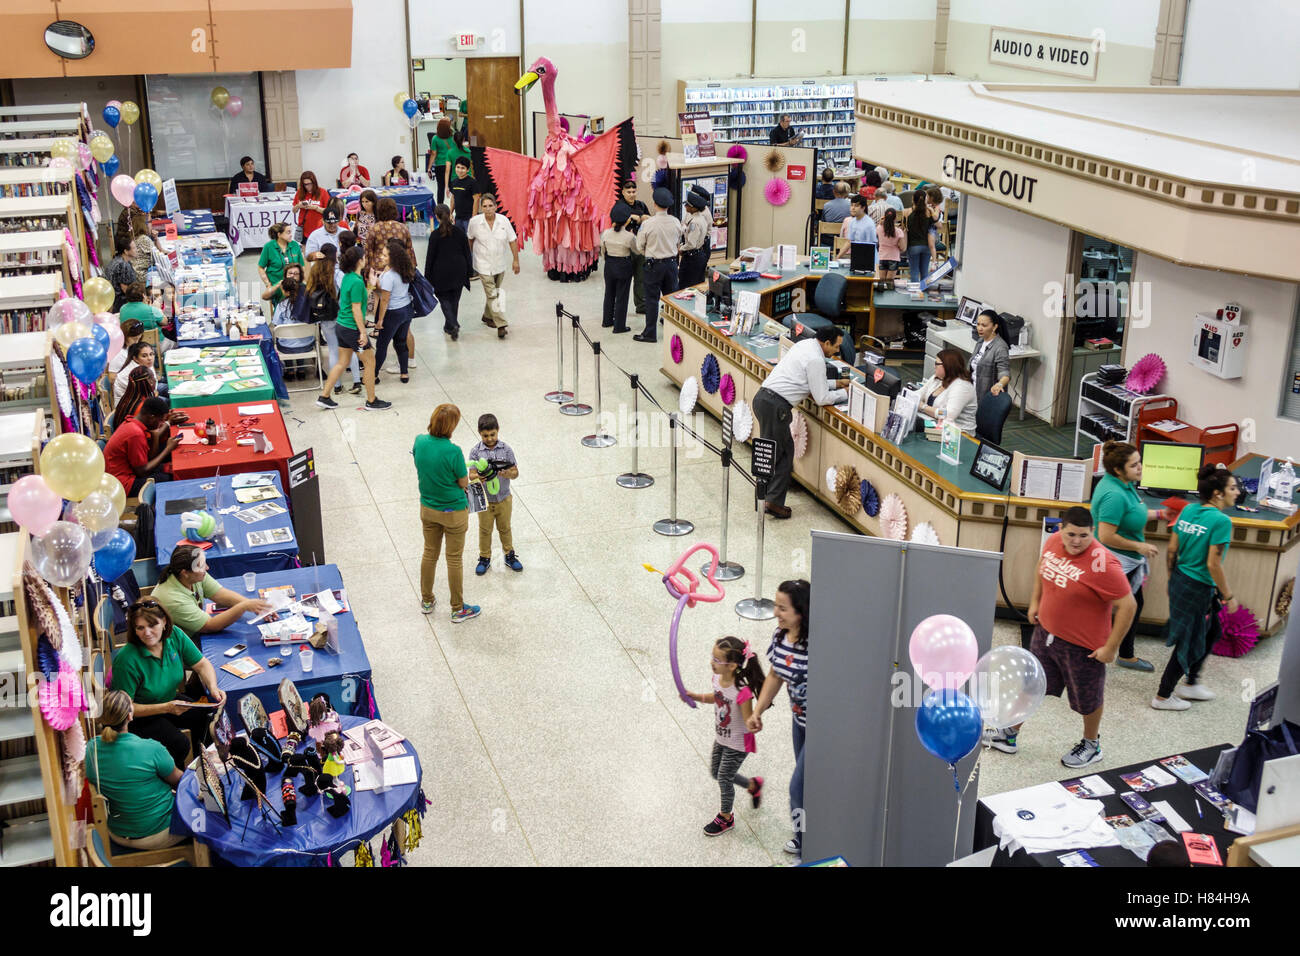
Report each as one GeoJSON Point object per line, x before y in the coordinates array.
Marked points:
{"type": "Point", "coordinates": [603, 165]}
{"type": "Point", "coordinates": [512, 174]}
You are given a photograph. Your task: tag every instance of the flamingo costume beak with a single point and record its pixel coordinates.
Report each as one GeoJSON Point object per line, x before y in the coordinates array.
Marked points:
{"type": "Point", "coordinates": [525, 82]}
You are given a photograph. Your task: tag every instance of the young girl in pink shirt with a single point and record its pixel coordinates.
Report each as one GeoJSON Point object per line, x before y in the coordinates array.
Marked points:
{"type": "Point", "coordinates": [737, 679]}
{"type": "Point", "coordinates": [891, 241]}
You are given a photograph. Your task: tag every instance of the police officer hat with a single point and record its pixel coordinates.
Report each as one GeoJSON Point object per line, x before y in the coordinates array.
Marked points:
{"type": "Point", "coordinates": [620, 213]}
{"type": "Point", "coordinates": [697, 200]}
{"type": "Point", "coordinates": [663, 198]}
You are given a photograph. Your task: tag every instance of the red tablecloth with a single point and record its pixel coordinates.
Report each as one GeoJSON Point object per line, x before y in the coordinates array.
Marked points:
{"type": "Point", "coordinates": [227, 457]}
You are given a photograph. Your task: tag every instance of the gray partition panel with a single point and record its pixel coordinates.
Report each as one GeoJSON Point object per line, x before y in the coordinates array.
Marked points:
{"type": "Point", "coordinates": [1288, 673]}
{"type": "Point", "coordinates": [872, 793]}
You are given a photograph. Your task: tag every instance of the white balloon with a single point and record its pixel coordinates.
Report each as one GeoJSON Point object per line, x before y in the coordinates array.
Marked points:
{"type": "Point", "coordinates": [1009, 685]}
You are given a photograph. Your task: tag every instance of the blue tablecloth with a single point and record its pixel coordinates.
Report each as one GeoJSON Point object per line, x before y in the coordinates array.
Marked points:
{"type": "Point", "coordinates": [197, 221]}
{"type": "Point", "coordinates": [316, 835]}
{"type": "Point", "coordinates": [224, 563]}
{"type": "Point", "coordinates": [408, 198]}
{"type": "Point", "coordinates": [344, 676]}
{"type": "Point", "coordinates": [195, 257]}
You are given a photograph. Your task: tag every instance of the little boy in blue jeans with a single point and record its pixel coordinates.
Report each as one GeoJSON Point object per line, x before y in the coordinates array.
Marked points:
{"type": "Point", "coordinates": [496, 455]}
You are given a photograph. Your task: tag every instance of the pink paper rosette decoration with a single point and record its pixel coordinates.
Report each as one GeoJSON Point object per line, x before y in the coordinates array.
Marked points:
{"type": "Point", "coordinates": [62, 698]}
{"type": "Point", "coordinates": [727, 389]}
{"type": "Point", "coordinates": [675, 348]}
{"type": "Point", "coordinates": [1240, 632]}
{"type": "Point", "coordinates": [777, 192]}
{"type": "Point", "coordinates": [893, 518]}
{"type": "Point", "coordinates": [737, 151]}
{"type": "Point", "coordinates": [799, 432]}
{"type": "Point", "coordinates": [1145, 374]}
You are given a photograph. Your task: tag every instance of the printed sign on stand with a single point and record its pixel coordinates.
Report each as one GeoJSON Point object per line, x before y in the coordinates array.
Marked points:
{"type": "Point", "coordinates": [764, 457]}
{"type": "Point", "coordinates": [170, 202]}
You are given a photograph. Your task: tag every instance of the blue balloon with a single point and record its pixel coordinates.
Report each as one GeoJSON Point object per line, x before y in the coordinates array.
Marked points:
{"type": "Point", "coordinates": [410, 108]}
{"type": "Point", "coordinates": [949, 724]}
{"type": "Point", "coordinates": [114, 559]}
{"type": "Point", "coordinates": [100, 335]}
{"type": "Point", "coordinates": [112, 116]}
{"type": "Point", "coordinates": [110, 166]}
{"type": "Point", "coordinates": [145, 196]}
{"type": "Point", "coordinates": [87, 359]}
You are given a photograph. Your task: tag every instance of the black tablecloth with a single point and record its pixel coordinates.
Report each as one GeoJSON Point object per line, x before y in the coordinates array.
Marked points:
{"type": "Point", "coordinates": [1180, 795]}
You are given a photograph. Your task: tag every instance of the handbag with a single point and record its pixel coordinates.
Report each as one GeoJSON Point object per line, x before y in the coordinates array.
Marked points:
{"type": "Point", "coordinates": [1260, 746]}
{"type": "Point", "coordinates": [423, 301]}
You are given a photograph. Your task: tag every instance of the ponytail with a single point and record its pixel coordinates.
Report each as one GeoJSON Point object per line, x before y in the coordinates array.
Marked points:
{"type": "Point", "coordinates": [114, 715]}
{"type": "Point", "coordinates": [1210, 480]}
{"type": "Point", "coordinates": [891, 230]}
{"type": "Point", "coordinates": [182, 560]}
{"type": "Point", "coordinates": [749, 673]}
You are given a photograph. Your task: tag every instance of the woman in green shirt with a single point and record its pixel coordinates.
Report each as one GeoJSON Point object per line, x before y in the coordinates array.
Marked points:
{"type": "Point", "coordinates": [136, 777]}
{"type": "Point", "coordinates": [444, 509]}
{"type": "Point", "coordinates": [1198, 587]}
{"type": "Point", "coordinates": [281, 250]}
{"type": "Point", "coordinates": [185, 585]}
{"type": "Point", "coordinates": [134, 307]}
{"type": "Point", "coordinates": [1120, 518]}
{"type": "Point", "coordinates": [150, 670]}
{"type": "Point", "coordinates": [350, 327]}
{"type": "Point", "coordinates": [441, 145]}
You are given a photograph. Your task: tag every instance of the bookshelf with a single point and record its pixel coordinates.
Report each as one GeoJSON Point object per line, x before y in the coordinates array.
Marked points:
{"type": "Point", "coordinates": [28, 215]}
{"type": "Point", "coordinates": [26, 153]}
{"type": "Point", "coordinates": [20, 183]}
{"type": "Point", "coordinates": [746, 112]}
{"type": "Point", "coordinates": [29, 128]}
{"type": "Point", "coordinates": [24, 300]}
{"type": "Point", "coordinates": [34, 253]}
{"type": "Point", "coordinates": [21, 432]}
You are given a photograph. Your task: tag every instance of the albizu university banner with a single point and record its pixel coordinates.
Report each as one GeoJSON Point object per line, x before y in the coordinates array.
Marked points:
{"type": "Point", "coordinates": [1046, 53]}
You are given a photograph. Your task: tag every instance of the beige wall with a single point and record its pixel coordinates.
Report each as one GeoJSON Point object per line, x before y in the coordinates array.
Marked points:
{"type": "Point", "coordinates": [1007, 259]}
{"type": "Point", "coordinates": [790, 47]}
{"type": "Point", "coordinates": [890, 46]}
{"type": "Point", "coordinates": [1176, 294]}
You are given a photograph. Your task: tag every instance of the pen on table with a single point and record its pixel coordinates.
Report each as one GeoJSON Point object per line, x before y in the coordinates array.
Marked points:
{"type": "Point", "coordinates": [1198, 810]}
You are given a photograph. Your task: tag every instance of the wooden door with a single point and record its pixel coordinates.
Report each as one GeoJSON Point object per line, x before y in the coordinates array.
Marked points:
{"type": "Point", "coordinates": [495, 110]}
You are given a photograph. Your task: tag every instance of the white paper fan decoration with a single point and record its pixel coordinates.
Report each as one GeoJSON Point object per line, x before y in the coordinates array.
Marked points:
{"type": "Point", "coordinates": [893, 518]}
{"type": "Point", "coordinates": [832, 475]}
{"type": "Point", "coordinates": [924, 533]}
{"type": "Point", "coordinates": [742, 421]}
{"type": "Point", "coordinates": [690, 394]}
{"type": "Point", "coordinates": [799, 432]}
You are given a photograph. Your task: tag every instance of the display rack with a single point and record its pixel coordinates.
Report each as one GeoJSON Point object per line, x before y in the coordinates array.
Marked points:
{"type": "Point", "coordinates": [34, 253]}
{"type": "Point", "coordinates": [1107, 412]}
{"type": "Point", "coordinates": [20, 449]}
{"type": "Point", "coordinates": [16, 183]}
{"type": "Point", "coordinates": [26, 153]}
{"type": "Point", "coordinates": [33, 128]}
{"type": "Point", "coordinates": [822, 111]}
{"type": "Point", "coordinates": [24, 300]}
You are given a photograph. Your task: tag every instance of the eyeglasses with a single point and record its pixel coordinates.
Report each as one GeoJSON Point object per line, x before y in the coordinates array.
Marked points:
{"type": "Point", "coordinates": [145, 602]}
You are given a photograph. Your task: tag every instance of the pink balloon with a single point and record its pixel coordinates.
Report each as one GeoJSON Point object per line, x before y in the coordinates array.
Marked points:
{"type": "Point", "coordinates": [33, 505]}
{"type": "Point", "coordinates": [67, 310]}
{"type": "Point", "coordinates": [114, 329]}
{"type": "Point", "coordinates": [116, 104]}
{"type": "Point", "coordinates": [83, 151]}
{"type": "Point", "coordinates": [60, 162]}
{"type": "Point", "coordinates": [123, 189]}
{"type": "Point", "coordinates": [235, 105]}
{"type": "Point", "coordinates": [943, 651]}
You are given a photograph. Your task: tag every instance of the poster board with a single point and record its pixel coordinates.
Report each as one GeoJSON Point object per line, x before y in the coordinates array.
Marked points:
{"type": "Point", "coordinates": [764, 224]}
{"type": "Point", "coordinates": [1051, 479]}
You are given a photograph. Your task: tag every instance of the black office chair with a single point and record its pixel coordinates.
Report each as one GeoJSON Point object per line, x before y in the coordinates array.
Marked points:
{"type": "Point", "coordinates": [990, 415]}
{"type": "Point", "coordinates": [828, 301]}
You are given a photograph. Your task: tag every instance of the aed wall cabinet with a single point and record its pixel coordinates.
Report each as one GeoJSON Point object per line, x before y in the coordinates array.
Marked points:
{"type": "Point", "coordinates": [1218, 347]}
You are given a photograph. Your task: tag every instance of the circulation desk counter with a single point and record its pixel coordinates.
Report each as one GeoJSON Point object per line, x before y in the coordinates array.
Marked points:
{"type": "Point", "coordinates": [962, 509]}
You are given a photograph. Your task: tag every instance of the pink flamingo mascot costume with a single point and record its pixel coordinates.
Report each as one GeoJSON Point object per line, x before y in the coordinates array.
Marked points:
{"type": "Point", "coordinates": [563, 200]}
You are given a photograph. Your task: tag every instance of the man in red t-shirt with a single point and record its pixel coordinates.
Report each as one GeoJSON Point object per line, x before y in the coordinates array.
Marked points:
{"type": "Point", "coordinates": [1081, 609]}
{"type": "Point", "coordinates": [129, 455]}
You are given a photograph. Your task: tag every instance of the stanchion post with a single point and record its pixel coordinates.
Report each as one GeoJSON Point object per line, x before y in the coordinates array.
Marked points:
{"type": "Point", "coordinates": [759, 608]}
{"type": "Point", "coordinates": [575, 407]}
{"type": "Point", "coordinates": [635, 478]}
{"type": "Point", "coordinates": [559, 396]}
{"type": "Point", "coordinates": [599, 439]}
{"type": "Point", "coordinates": [727, 570]}
{"type": "Point", "coordinates": [672, 526]}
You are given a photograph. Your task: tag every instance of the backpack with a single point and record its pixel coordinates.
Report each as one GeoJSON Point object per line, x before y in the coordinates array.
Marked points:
{"type": "Point", "coordinates": [322, 306]}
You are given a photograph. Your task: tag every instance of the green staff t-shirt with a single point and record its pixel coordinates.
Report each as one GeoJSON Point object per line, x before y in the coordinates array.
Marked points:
{"type": "Point", "coordinates": [440, 465]}
{"type": "Point", "coordinates": [352, 290]}
{"type": "Point", "coordinates": [1200, 526]}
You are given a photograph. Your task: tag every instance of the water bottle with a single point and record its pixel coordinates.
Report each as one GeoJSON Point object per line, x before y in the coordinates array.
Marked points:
{"type": "Point", "coordinates": [1284, 482]}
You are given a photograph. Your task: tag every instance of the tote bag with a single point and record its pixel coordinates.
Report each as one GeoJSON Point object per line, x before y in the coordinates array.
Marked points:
{"type": "Point", "coordinates": [1260, 746]}
{"type": "Point", "coordinates": [423, 301]}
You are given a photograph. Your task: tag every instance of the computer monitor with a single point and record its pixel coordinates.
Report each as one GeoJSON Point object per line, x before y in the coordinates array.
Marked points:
{"type": "Point", "coordinates": [992, 465]}
{"type": "Point", "coordinates": [1170, 467]}
{"type": "Point", "coordinates": [881, 379]}
{"type": "Point", "coordinates": [862, 258]}
{"type": "Point", "coordinates": [719, 294]}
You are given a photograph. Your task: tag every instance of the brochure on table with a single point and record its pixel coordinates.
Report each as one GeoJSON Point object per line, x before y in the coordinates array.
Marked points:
{"type": "Point", "coordinates": [1051, 479]}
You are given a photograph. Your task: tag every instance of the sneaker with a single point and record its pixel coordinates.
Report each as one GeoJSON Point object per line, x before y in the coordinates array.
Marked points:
{"type": "Point", "coordinates": [356, 388]}
{"type": "Point", "coordinates": [793, 847]}
{"type": "Point", "coordinates": [338, 389]}
{"type": "Point", "coordinates": [1193, 691]}
{"type": "Point", "coordinates": [512, 562]}
{"type": "Point", "coordinates": [756, 791]}
{"type": "Point", "coordinates": [426, 607]}
{"type": "Point", "coordinates": [1136, 664]}
{"type": "Point", "coordinates": [1084, 753]}
{"type": "Point", "coordinates": [324, 401]}
{"type": "Point", "coordinates": [719, 825]}
{"type": "Point", "coordinates": [502, 332]}
{"type": "Point", "coordinates": [468, 612]}
{"type": "Point", "coordinates": [377, 405]}
{"type": "Point", "coordinates": [410, 361]}
{"type": "Point", "coordinates": [483, 565]}
{"type": "Point", "coordinates": [1170, 703]}
{"type": "Point", "coordinates": [1003, 740]}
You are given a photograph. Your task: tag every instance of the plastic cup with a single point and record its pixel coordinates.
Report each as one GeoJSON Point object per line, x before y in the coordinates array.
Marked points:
{"type": "Point", "coordinates": [304, 659]}
{"type": "Point", "coordinates": [250, 581]}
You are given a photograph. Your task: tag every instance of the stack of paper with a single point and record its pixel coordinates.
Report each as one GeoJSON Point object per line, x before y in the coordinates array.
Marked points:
{"type": "Point", "coordinates": [1048, 817]}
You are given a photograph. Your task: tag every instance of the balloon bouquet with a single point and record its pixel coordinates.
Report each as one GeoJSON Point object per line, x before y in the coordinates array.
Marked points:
{"type": "Point", "coordinates": [65, 543]}
{"type": "Point", "coordinates": [1009, 686]}
{"type": "Point", "coordinates": [683, 586]}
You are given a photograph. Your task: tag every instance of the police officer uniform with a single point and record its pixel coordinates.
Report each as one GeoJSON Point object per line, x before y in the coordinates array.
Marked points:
{"type": "Point", "coordinates": [659, 239]}
{"type": "Point", "coordinates": [695, 244]}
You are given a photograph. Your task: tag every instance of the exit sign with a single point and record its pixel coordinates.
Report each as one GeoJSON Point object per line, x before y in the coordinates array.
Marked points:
{"type": "Point", "coordinates": [466, 41]}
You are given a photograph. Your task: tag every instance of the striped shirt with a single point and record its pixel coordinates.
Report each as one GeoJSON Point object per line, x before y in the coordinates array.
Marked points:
{"type": "Point", "coordinates": [790, 662]}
